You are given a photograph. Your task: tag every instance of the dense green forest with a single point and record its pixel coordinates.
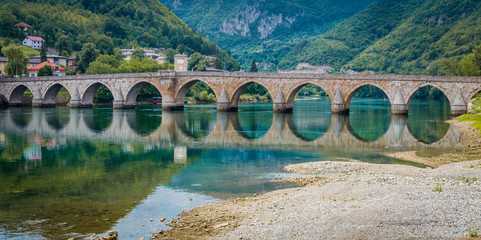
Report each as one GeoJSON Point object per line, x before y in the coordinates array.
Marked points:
{"type": "Point", "coordinates": [69, 25]}
{"type": "Point", "coordinates": [402, 37]}
{"type": "Point", "coordinates": [264, 30]}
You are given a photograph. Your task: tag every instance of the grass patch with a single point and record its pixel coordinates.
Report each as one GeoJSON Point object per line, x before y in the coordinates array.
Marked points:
{"type": "Point", "coordinates": [475, 118]}
{"type": "Point", "coordinates": [469, 180]}
{"type": "Point", "coordinates": [438, 188]}
{"type": "Point", "coordinates": [473, 232]}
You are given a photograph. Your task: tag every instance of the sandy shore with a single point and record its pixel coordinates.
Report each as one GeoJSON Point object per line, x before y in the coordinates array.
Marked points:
{"type": "Point", "coordinates": [354, 200]}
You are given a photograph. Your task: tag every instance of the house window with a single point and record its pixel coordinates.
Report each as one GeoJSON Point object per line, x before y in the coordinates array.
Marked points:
{"type": "Point", "coordinates": [56, 69]}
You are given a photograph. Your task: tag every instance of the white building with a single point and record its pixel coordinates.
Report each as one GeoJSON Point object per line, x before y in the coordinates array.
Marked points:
{"type": "Point", "coordinates": [33, 42]}
{"type": "Point", "coordinates": [148, 53]}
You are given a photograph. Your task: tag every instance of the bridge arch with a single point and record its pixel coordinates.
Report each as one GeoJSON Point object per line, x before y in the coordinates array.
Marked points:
{"type": "Point", "coordinates": [241, 87]}
{"type": "Point", "coordinates": [16, 95]}
{"type": "Point", "coordinates": [423, 85]}
{"type": "Point", "coordinates": [50, 96]}
{"type": "Point", "coordinates": [89, 93]}
{"type": "Point", "coordinates": [184, 88]}
{"type": "Point", "coordinates": [133, 91]}
{"type": "Point", "coordinates": [350, 94]}
{"type": "Point", "coordinates": [471, 95]}
{"type": "Point", "coordinates": [291, 95]}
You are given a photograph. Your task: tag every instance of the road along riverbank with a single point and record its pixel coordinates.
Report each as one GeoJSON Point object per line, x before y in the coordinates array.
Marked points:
{"type": "Point", "coordinates": [354, 200]}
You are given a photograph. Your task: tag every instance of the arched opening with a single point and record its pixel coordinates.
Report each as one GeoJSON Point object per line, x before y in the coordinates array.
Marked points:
{"type": "Point", "coordinates": [474, 104]}
{"type": "Point", "coordinates": [97, 94]}
{"type": "Point", "coordinates": [428, 111]}
{"type": "Point", "coordinates": [57, 118]}
{"type": "Point", "coordinates": [309, 97]}
{"type": "Point", "coordinates": [56, 95]}
{"type": "Point", "coordinates": [196, 92]}
{"type": "Point", "coordinates": [98, 119]}
{"type": "Point", "coordinates": [252, 94]}
{"type": "Point", "coordinates": [369, 113]}
{"type": "Point", "coordinates": [312, 116]}
{"type": "Point", "coordinates": [200, 93]}
{"type": "Point", "coordinates": [143, 93]}
{"type": "Point", "coordinates": [21, 96]}
{"type": "Point", "coordinates": [144, 120]}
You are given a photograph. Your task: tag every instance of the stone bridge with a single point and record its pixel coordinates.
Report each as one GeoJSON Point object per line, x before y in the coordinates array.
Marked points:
{"type": "Point", "coordinates": [227, 131]}
{"type": "Point", "coordinates": [227, 86]}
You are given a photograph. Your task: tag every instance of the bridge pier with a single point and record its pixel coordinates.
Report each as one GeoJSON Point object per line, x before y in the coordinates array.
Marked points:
{"type": "Point", "coordinates": [458, 110]}
{"type": "Point", "coordinates": [171, 106]}
{"type": "Point", "coordinates": [338, 105]}
{"type": "Point", "coordinates": [223, 104]}
{"type": "Point", "coordinates": [399, 106]}
{"type": "Point", "coordinates": [399, 109]}
{"type": "Point", "coordinates": [279, 104]}
{"type": "Point", "coordinates": [459, 107]}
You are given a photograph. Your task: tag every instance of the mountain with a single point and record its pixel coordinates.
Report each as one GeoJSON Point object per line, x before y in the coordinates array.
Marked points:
{"type": "Point", "coordinates": [123, 23]}
{"type": "Point", "coordinates": [404, 37]}
{"type": "Point", "coordinates": [265, 29]}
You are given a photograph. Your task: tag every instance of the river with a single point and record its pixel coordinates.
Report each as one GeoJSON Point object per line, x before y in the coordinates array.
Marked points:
{"type": "Point", "coordinates": [77, 172]}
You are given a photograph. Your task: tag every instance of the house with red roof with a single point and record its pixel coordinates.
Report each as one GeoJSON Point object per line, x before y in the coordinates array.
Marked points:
{"type": "Point", "coordinates": [33, 42]}
{"type": "Point", "coordinates": [57, 70]}
{"type": "Point", "coordinates": [23, 25]}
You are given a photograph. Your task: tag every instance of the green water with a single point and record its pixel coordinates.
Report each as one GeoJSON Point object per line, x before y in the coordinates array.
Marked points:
{"type": "Point", "coordinates": [75, 172]}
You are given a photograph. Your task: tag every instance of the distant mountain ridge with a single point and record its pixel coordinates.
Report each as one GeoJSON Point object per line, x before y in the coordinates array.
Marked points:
{"type": "Point", "coordinates": [404, 37]}
{"type": "Point", "coordinates": [265, 29]}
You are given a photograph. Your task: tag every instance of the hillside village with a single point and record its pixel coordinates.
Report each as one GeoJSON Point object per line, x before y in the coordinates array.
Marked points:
{"type": "Point", "coordinates": [67, 65]}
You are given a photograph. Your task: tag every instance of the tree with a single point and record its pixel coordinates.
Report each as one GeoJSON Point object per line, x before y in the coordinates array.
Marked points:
{"type": "Point", "coordinates": [105, 45]}
{"type": "Point", "coordinates": [88, 54]}
{"type": "Point", "coordinates": [138, 52]}
{"type": "Point", "coordinates": [17, 61]}
{"type": "Point", "coordinates": [253, 66]}
{"type": "Point", "coordinates": [169, 54]}
{"type": "Point", "coordinates": [63, 44]}
{"type": "Point", "coordinates": [45, 71]}
{"type": "Point", "coordinates": [43, 53]}
{"type": "Point", "coordinates": [470, 65]}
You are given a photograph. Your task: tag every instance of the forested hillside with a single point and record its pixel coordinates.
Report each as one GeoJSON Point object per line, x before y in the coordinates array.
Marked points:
{"type": "Point", "coordinates": [107, 23]}
{"type": "Point", "coordinates": [404, 37]}
{"type": "Point", "coordinates": [264, 30]}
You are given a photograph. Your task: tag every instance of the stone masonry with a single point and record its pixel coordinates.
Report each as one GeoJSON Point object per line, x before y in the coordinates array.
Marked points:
{"type": "Point", "coordinates": [227, 86]}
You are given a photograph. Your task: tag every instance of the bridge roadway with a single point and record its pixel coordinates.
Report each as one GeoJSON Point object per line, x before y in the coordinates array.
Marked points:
{"type": "Point", "coordinates": [227, 132]}
{"type": "Point", "coordinates": [227, 86]}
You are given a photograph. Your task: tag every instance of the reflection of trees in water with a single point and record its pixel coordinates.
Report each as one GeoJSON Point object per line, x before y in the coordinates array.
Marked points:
{"type": "Point", "coordinates": [58, 118]}
{"type": "Point", "coordinates": [200, 124]}
{"type": "Point", "coordinates": [21, 116]}
{"type": "Point", "coordinates": [144, 121]}
{"type": "Point", "coordinates": [309, 125]}
{"type": "Point", "coordinates": [254, 125]}
{"type": "Point", "coordinates": [80, 185]}
{"type": "Point", "coordinates": [369, 118]}
{"type": "Point", "coordinates": [98, 118]}
{"type": "Point", "coordinates": [426, 120]}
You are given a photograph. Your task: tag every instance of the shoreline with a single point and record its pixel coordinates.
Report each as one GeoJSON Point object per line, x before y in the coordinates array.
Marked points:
{"type": "Point", "coordinates": [342, 200]}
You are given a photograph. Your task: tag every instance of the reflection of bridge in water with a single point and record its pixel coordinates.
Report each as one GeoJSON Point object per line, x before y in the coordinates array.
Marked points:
{"type": "Point", "coordinates": [172, 131]}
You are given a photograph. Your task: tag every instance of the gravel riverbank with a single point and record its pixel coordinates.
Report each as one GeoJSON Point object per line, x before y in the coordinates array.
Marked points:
{"type": "Point", "coordinates": [350, 200]}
